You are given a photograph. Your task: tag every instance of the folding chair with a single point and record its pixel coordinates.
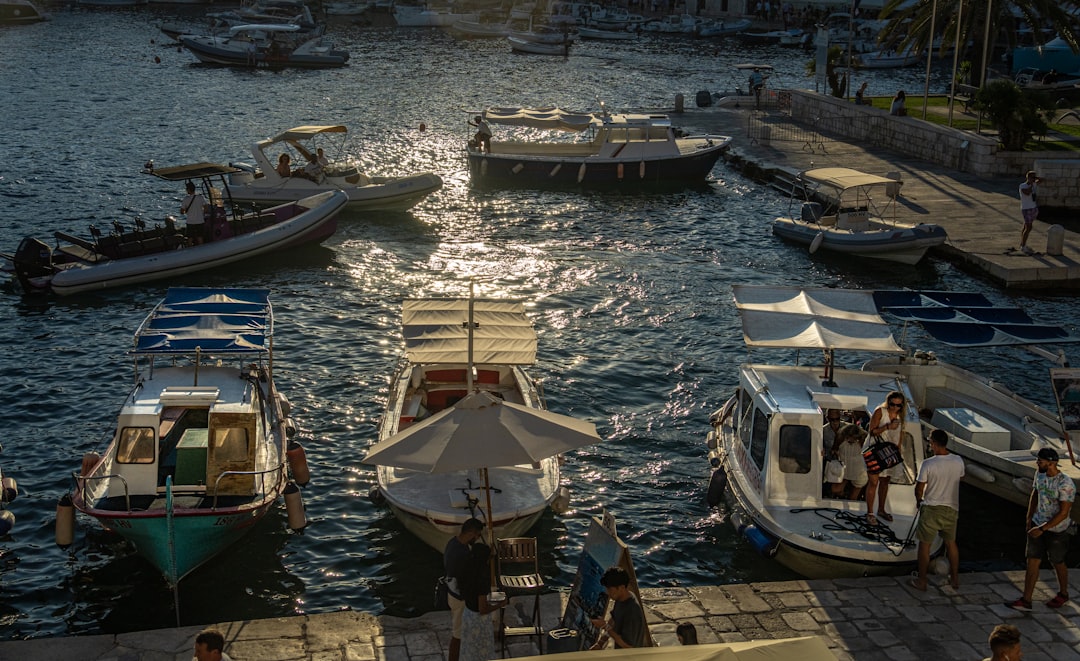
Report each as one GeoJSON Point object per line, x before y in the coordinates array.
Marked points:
{"type": "Point", "coordinates": [519, 575]}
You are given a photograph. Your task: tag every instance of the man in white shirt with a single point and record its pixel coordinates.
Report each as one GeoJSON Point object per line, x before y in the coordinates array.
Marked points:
{"type": "Point", "coordinates": [937, 492]}
{"type": "Point", "coordinates": [1029, 207]}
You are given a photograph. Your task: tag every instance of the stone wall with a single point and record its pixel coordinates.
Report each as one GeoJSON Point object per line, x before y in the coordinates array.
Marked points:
{"type": "Point", "coordinates": [960, 150]}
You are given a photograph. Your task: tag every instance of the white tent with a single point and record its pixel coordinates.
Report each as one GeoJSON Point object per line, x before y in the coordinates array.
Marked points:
{"type": "Point", "coordinates": [804, 649]}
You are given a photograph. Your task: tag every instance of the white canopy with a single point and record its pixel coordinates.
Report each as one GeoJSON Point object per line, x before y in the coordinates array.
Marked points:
{"type": "Point", "coordinates": [307, 132]}
{"type": "Point", "coordinates": [436, 331]}
{"type": "Point", "coordinates": [540, 118]}
{"type": "Point", "coordinates": [804, 649]}
{"type": "Point", "coordinates": [798, 318]}
{"type": "Point", "coordinates": [843, 178]}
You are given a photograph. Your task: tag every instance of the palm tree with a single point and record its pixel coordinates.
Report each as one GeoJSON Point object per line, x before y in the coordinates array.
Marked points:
{"type": "Point", "coordinates": [911, 25]}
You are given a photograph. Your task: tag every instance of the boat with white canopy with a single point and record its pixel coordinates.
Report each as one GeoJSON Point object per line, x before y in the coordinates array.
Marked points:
{"type": "Point", "coordinates": [767, 442]}
{"type": "Point", "coordinates": [854, 213]}
{"type": "Point", "coordinates": [618, 149]}
{"type": "Point", "coordinates": [261, 184]}
{"type": "Point", "coordinates": [443, 454]}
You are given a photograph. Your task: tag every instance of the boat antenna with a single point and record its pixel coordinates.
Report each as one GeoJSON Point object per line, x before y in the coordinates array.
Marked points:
{"type": "Point", "coordinates": [470, 325]}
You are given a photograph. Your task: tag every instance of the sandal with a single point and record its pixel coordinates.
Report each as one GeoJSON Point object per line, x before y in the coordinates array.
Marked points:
{"type": "Point", "coordinates": [1058, 601]}
{"type": "Point", "coordinates": [871, 520]}
{"type": "Point", "coordinates": [885, 516]}
{"type": "Point", "coordinates": [916, 583]}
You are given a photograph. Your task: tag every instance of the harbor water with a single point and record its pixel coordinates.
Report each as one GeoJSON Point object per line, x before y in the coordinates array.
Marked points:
{"type": "Point", "coordinates": [630, 295]}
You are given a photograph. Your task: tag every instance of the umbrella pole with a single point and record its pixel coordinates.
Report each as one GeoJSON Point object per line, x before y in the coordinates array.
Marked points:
{"type": "Point", "coordinates": [490, 526]}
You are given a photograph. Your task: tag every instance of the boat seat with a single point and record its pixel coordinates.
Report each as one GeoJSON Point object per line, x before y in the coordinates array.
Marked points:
{"type": "Point", "coordinates": [130, 248]}
{"type": "Point", "coordinates": [80, 253]}
{"type": "Point", "coordinates": [438, 400]}
{"type": "Point", "coordinates": [155, 244]}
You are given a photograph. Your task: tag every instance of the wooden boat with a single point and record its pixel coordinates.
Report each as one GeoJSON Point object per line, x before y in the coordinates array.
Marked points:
{"type": "Point", "coordinates": [847, 217]}
{"type": "Point", "coordinates": [261, 184]}
{"type": "Point", "coordinates": [767, 449]}
{"type": "Point", "coordinates": [454, 347]}
{"type": "Point", "coordinates": [134, 255]}
{"type": "Point", "coordinates": [997, 431]}
{"type": "Point", "coordinates": [621, 150]}
{"type": "Point", "coordinates": [16, 12]}
{"type": "Point", "coordinates": [267, 45]}
{"type": "Point", "coordinates": [198, 455]}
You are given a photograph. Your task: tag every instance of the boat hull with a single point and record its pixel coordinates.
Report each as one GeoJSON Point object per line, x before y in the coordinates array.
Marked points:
{"type": "Point", "coordinates": [383, 194]}
{"type": "Point", "coordinates": [437, 531]}
{"type": "Point", "coordinates": [906, 244]}
{"type": "Point", "coordinates": [537, 171]}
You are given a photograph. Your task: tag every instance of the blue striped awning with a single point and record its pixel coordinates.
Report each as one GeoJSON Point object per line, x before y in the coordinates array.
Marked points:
{"type": "Point", "coordinates": [217, 321]}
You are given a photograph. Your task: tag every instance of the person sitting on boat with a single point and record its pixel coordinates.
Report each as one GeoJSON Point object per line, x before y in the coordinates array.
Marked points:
{"type": "Point", "coordinates": [321, 157]}
{"type": "Point", "coordinates": [848, 449]}
{"type": "Point", "coordinates": [313, 169]}
{"type": "Point", "coordinates": [194, 206]}
{"type": "Point", "coordinates": [897, 108]}
{"type": "Point", "coordinates": [283, 168]}
{"type": "Point", "coordinates": [886, 423]}
{"type": "Point", "coordinates": [831, 431]}
{"type": "Point", "coordinates": [483, 134]}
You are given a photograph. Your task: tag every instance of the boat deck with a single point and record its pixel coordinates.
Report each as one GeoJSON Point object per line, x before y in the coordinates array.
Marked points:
{"type": "Point", "coordinates": [157, 503]}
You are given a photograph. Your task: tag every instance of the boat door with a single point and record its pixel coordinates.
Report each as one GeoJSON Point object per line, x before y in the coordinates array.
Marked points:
{"type": "Point", "coordinates": [231, 449]}
{"type": "Point", "coordinates": [794, 475]}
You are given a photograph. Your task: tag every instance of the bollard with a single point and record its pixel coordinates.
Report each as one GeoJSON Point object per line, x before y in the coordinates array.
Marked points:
{"type": "Point", "coordinates": [678, 103]}
{"type": "Point", "coordinates": [892, 190]}
{"type": "Point", "coordinates": [1055, 240]}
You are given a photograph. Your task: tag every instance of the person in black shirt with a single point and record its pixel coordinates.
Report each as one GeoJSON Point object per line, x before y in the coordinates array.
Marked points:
{"type": "Point", "coordinates": [626, 627]}
{"type": "Point", "coordinates": [455, 563]}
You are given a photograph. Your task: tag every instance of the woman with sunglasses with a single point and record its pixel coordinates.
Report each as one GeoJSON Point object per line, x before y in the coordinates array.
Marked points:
{"type": "Point", "coordinates": [885, 423]}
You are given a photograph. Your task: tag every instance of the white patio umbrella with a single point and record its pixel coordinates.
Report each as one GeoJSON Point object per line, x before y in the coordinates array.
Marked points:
{"type": "Point", "coordinates": [481, 431]}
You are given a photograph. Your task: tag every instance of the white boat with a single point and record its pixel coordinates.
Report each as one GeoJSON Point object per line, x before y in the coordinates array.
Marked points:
{"type": "Point", "coordinates": [519, 45]}
{"type": "Point", "coordinates": [346, 8]}
{"type": "Point", "coordinates": [607, 35]}
{"type": "Point", "coordinates": [423, 16]}
{"type": "Point", "coordinates": [723, 27]}
{"type": "Point", "coordinates": [198, 455]}
{"type": "Point", "coordinates": [261, 184]}
{"type": "Point", "coordinates": [889, 59]}
{"type": "Point", "coordinates": [481, 29]}
{"type": "Point", "coordinates": [454, 347]}
{"type": "Point", "coordinates": [674, 24]}
{"type": "Point", "coordinates": [135, 255]}
{"type": "Point", "coordinates": [790, 37]}
{"type": "Point", "coordinates": [266, 45]}
{"type": "Point", "coordinates": [619, 150]}
{"type": "Point", "coordinates": [294, 12]}
{"type": "Point", "coordinates": [854, 220]}
{"type": "Point", "coordinates": [766, 444]}
{"type": "Point", "coordinates": [15, 12]}
{"type": "Point", "coordinates": [557, 35]}
{"type": "Point", "coordinates": [617, 18]}
{"type": "Point", "coordinates": [995, 430]}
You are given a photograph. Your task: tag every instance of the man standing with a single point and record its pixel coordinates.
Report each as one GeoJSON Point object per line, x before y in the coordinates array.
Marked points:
{"type": "Point", "coordinates": [483, 134]}
{"type": "Point", "coordinates": [210, 646]}
{"type": "Point", "coordinates": [1048, 523]}
{"type": "Point", "coordinates": [627, 624]}
{"type": "Point", "coordinates": [193, 205]}
{"type": "Point", "coordinates": [1029, 207]}
{"type": "Point", "coordinates": [937, 492]}
{"type": "Point", "coordinates": [456, 564]}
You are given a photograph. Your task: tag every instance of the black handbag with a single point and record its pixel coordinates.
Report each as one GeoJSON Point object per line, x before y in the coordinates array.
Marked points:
{"type": "Point", "coordinates": [442, 592]}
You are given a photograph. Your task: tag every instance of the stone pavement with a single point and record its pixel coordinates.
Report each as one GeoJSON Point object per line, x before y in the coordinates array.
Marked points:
{"type": "Point", "coordinates": [981, 215]}
{"type": "Point", "coordinates": [864, 619]}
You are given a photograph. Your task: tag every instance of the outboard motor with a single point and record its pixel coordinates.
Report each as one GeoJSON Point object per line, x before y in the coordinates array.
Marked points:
{"type": "Point", "coordinates": [811, 212]}
{"type": "Point", "coordinates": [33, 262]}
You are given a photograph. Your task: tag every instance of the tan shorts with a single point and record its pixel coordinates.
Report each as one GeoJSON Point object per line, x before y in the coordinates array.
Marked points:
{"type": "Point", "coordinates": [457, 608]}
{"type": "Point", "coordinates": [934, 520]}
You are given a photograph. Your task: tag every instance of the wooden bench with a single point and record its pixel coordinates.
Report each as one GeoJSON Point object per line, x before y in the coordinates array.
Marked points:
{"type": "Point", "coordinates": [964, 94]}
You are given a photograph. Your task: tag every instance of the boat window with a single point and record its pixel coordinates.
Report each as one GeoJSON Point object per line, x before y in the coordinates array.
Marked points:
{"type": "Point", "coordinates": [136, 445]}
{"type": "Point", "coordinates": [230, 444]}
{"type": "Point", "coordinates": [794, 449]}
{"type": "Point", "coordinates": [760, 438]}
{"type": "Point", "coordinates": [743, 412]}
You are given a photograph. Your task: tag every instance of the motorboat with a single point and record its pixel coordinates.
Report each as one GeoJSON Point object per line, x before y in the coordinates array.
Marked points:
{"type": "Point", "coordinates": [617, 18]}
{"type": "Point", "coordinates": [846, 217]}
{"type": "Point", "coordinates": [618, 149]}
{"type": "Point", "coordinates": [766, 444]}
{"type": "Point", "coordinates": [519, 45]}
{"type": "Point", "coordinates": [789, 37]}
{"type": "Point", "coordinates": [997, 431]}
{"type": "Point", "coordinates": [723, 27]}
{"type": "Point", "coordinates": [607, 35]}
{"type": "Point", "coordinates": [14, 12]}
{"type": "Point", "coordinates": [132, 255]}
{"type": "Point", "coordinates": [888, 59]}
{"type": "Point", "coordinates": [261, 184]}
{"type": "Point", "coordinates": [198, 454]}
{"type": "Point", "coordinates": [486, 29]}
{"type": "Point", "coordinates": [556, 35]}
{"type": "Point", "coordinates": [293, 12]}
{"type": "Point", "coordinates": [464, 359]}
{"type": "Point", "coordinates": [423, 16]}
{"type": "Point", "coordinates": [267, 45]}
{"type": "Point", "coordinates": [674, 24]}
{"type": "Point", "coordinates": [9, 491]}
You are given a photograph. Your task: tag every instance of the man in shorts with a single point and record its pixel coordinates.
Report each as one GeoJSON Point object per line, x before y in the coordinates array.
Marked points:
{"type": "Point", "coordinates": [456, 563]}
{"type": "Point", "coordinates": [1049, 528]}
{"type": "Point", "coordinates": [1029, 207]}
{"type": "Point", "coordinates": [937, 492]}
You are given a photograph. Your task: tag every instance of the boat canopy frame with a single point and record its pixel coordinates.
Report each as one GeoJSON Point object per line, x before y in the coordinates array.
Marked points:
{"type": "Point", "coordinates": [845, 189]}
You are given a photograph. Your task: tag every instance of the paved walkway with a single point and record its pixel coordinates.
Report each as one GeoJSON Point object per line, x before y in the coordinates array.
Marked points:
{"type": "Point", "coordinates": [865, 619]}
{"type": "Point", "coordinates": [982, 216]}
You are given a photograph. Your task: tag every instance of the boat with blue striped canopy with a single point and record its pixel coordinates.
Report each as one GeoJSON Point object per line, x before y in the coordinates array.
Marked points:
{"type": "Point", "coordinates": [198, 453]}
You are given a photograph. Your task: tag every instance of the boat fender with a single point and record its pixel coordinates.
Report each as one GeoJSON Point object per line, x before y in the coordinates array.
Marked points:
{"type": "Point", "coordinates": [65, 522]}
{"type": "Point", "coordinates": [294, 508]}
{"type": "Point", "coordinates": [518, 168]}
{"type": "Point", "coordinates": [978, 472]}
{"type": "Point", "coordinates": [939, 566]}
{"type": "Point", "coordinates": [290, 428]}
{"type": "Point", "coordinates": [89, 461]}
{"type": "Point", "coordinates": [710, 440]}
{"type": "Point", "coordinates": [555, 170]}
{"type": "Point", "coordinates": [714, 458]}
{"type": "Point", "coordinates": [717, 486]}
{"type": "Point", "coordinates": [298, 466]}
{"type": "Point", "coordinates": [375, 495]}
{"type": "Point", "coordinates": [762, 543]}
{"type": "Point", "coordinates": [483, 168]}
{"type": "Point", "coordinates": [561, 503]}
{"type": "Point", "coordinates": [619, 171]}
{"type": "Point", "coordinates": [284, 403]}
{"type": "Point", "coordinates": [581, 173]}
{"type": "Point", "coordinates": [9, 490]}
{"type": "Point", "coordinates": [816, 242]}
{"type": "Point", "coordinates": [641, 170]}
{"type": "Point", "coordinates": [7, 522]}
{"type": "Point", "coordinates": [1023, 484]}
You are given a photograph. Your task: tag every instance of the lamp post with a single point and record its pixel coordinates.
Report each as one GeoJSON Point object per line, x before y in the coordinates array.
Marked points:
{"type": "Point", "coordinates": [929, 58]}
